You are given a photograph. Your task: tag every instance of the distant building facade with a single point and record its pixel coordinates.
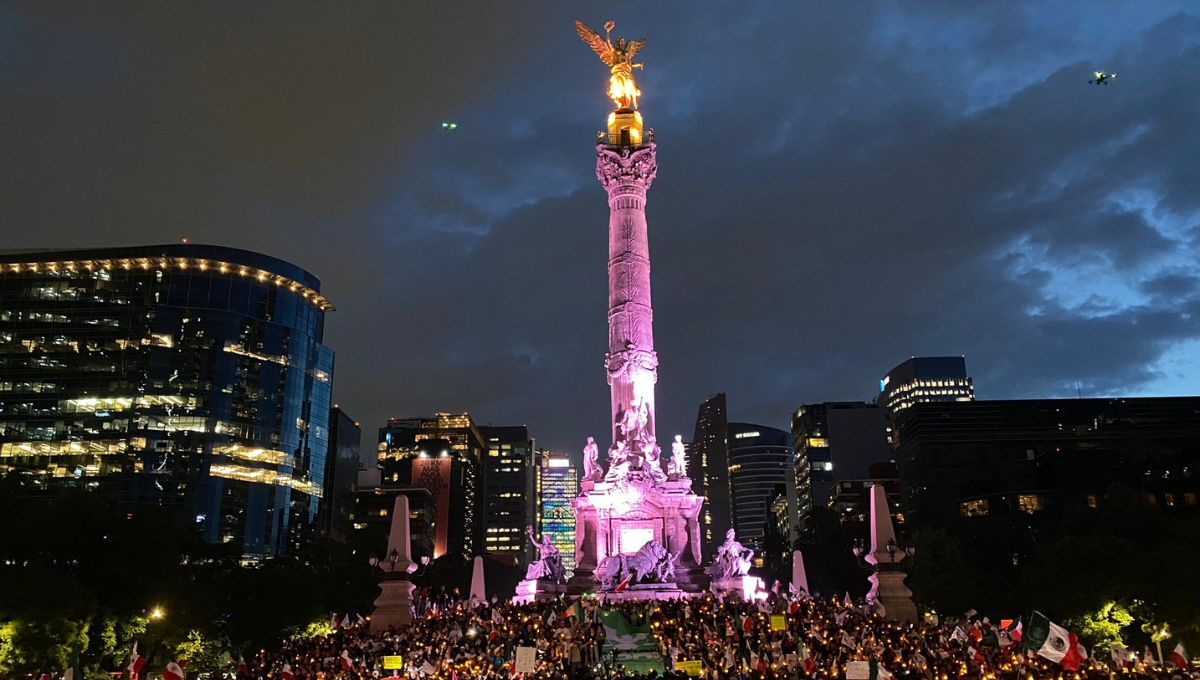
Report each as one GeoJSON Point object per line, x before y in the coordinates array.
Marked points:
{"type": "Point", "coordinates": [372, 520]}
{"type": "Point", "coordinates": [556, 484]}
{"type": "Point", "coordinates": [442, 454]}
{"type": "Point", "coordinates": [835, 440]}
{"type": "Point", "coordinates": [180, 375]}
{"type": "Point", "coordinates": [760, 459]}
{"type": "Point", "coordinates": [921, 380]}
{"type": "Point", "coordinates": [851, 498]}
{"type": "Point", "coordinates": [708, 468]}
{"type": "Point", "coordinates": [341, 475]}
{"type": "Point", "coordinates": [507, 490]}
{"type": "Point", "coordinates": [1036, 458]}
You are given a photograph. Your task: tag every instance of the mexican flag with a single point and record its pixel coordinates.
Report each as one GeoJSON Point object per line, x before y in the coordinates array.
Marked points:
{"type": "Point", "coordinates": [345, 661]}
{"type": "Point", "coordinates": [879, 672]}
{"type": "Point", "coordinates": [575, 611]}
{"type": "Point", "coordinates": [173, 671]}
{"type": "Point", "coordinates": [286, 673]}
{"type": "Point", "coordinates": [1052, 641]}
{"type": "Point", "coordinates": [805, 658]}
{"type": "Point", "coordinates": [136, 662]}
{"type": "Point", "coordinates": [1178, 656]}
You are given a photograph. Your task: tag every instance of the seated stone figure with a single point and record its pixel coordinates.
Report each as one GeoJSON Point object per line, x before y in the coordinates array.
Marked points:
{"type": "Point", "coordinates": [549, 564]}
{"type": "Point", "coordinates": [732, 559]}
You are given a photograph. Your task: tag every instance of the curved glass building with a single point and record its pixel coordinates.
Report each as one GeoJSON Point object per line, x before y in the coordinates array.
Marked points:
{"type": "Point", "coordinates": [187, 376]}
{"type": "Point", "coordinates": [760, 459]}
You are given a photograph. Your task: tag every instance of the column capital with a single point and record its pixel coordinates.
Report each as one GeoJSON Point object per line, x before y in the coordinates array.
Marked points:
{"type": "Point", "coordinates": [623, 167]}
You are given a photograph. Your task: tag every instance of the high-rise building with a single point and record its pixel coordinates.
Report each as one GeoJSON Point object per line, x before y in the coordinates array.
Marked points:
{"type": "Point", "coordinates": [372, 520]}
{"type": "Point", "coordinates": [179, 375]}
{"type": "Point", "coordinates": [557, 483]}
{"type": "Point", "coordinates": [924, 379]}
{"type": "Point", "coordinates": [760, 459]}
{"type": "Point", "coordinates": [507, 491]}
{"type": "Point", "coordinates": [851, 498]}
{"type": "Point", "coordinates": [835, 440]}
{"type": "Point", "coordinates": [444, 455]}
{"type": "Point", "coordinates": [1040, 455]}
{"type": "Point", "coordinates": [708, 468]}
{"type": "Point", "coordinates": [341, 475]}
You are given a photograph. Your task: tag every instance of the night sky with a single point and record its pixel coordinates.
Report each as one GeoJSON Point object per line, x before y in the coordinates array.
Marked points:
{"type": "Point", "coordinates": [841, 185]}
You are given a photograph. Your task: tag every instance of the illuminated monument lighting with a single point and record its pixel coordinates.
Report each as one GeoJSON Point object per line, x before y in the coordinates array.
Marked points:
{"type": "Point", "coordinates": [637, 532]}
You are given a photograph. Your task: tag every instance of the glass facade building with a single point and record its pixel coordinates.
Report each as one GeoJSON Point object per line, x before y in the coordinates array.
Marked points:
{"type": "Point", "coordinates": [922, 380]}
{"type": "Point", "coordinates": [760, 459]}
{"type": "Point", "coordinates": [557, 484]}
{"type": "Point", "coordinates": [708, 468]}
{"type": "Point", "coordinates": [187, 376]}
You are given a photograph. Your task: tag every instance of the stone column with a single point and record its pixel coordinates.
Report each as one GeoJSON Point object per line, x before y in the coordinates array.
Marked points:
{"type": "Point", "coordinates": [626, 173]}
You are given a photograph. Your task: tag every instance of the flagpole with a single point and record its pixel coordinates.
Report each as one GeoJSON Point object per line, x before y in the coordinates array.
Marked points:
{"type": "Point", "coordinates": [1158, 644]}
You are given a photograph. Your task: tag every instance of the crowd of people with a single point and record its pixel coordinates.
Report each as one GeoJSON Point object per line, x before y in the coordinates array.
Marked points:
{"type": "Point", "coordinates": [781, 637]}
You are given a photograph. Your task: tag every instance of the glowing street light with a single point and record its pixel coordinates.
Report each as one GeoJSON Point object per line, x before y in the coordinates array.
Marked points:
{"type": "Point", "coordinates": [157, 613]}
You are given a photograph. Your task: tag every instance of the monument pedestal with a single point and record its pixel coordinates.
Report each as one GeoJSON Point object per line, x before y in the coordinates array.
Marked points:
{"type": "Point", "coordinates": [619, 517]}
{"type": "Point", "coordinates": [888, 591]}
{"type": "Point", "coordinates": [394, 606]}
{"type": "Point", "coordinates": [538, 590]}
{"type": "Point", "coordinates": [742, 587]}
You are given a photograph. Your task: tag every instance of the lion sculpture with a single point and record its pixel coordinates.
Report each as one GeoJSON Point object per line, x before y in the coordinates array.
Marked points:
{"type": "Point", "coordinates": [650, 563]}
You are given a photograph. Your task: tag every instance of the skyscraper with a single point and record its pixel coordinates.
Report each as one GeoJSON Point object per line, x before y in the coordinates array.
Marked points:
{"type": "Point", "coordinates": [442, 454]}
{"type": "Point", "coordinates": [760, 459]}
{"type": "Point", "coordinates": [557, 482]}
{"type": "Point", "coordinates": [341, 475]}
{"type": "Point", "coordinates": [835, 440]}
{"type": "Point", "coordinates": [183, 375]}
{"type": "Point", "coordinates": [507, 491]}
{"type": "Point", "coordinates": [708, 467]}
{"type": "Point", "coordinates": [925, 379]}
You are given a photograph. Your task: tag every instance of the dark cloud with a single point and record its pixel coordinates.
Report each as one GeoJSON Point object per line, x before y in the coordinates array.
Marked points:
{"type": "Point", "coordinates": [840, 188]}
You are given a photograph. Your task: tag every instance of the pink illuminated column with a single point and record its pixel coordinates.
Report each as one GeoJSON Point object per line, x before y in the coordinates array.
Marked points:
{"type": "Point", "coordinates": [626, 173]}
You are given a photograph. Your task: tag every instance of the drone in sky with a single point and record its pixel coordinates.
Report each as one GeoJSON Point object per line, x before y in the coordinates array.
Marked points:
{"type": "Point", "coordinates": [449, 126]}
{"type": "Point", "coordinates": [1101, 78]}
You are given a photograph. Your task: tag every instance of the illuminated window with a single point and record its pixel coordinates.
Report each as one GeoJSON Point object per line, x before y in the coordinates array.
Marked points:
{"type": "Point", "coordinates": [1030, 503]}
{"type": "Point", "coordinates": [977, 508]}
{"type": "Point", "coordinates": [1092, 502]}
{"type": "Point", "coordinates": [1169, 499]}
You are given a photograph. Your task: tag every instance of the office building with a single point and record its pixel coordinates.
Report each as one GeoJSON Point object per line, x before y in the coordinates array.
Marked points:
{"type": "Point", "coordinates": [182, 375]}
{"type": "Point", "coordinates": [835, 440]}
{"type": "Point", "coordinates": [444, 455]}
{"type": "Point", "coordinates": [760, 459]}
{"type": "Point", "coordinates": [851, 498]}
{"type": "Point", "coordinates": [341, 475]}
{"type": "Point", "coordinates": [507, 491]}
{"type": "Point", "coordinates": [708, 468]}
{"type": "Point", "coordinates": [556, 485]}
{"type": "Point", "coordinates": [371, 522]}
{"type": "Point", "coordinates": [1037, 458]}
{"type": "Point", "coordinates": [925, 379]}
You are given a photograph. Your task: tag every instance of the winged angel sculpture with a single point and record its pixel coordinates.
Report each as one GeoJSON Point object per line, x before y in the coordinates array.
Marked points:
{"type": "Point", "coordinates": [619, 57]}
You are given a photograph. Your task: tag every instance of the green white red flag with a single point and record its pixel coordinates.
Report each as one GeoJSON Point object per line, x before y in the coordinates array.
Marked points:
{"type": "Point", "coordinates": [1178, 656]}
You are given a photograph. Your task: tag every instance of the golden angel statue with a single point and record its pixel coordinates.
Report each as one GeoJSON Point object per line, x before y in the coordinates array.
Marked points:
{"type": "Point", "coordinates": [619, 56]}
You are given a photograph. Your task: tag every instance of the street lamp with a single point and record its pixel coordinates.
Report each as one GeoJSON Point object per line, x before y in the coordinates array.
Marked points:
{"type": "Point", "coordinates": [157, 613]}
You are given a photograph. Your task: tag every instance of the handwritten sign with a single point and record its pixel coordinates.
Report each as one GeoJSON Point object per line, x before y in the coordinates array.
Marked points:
{"type": "Point", "coordinates": [526, 660]}
{"type": "Point", "coordinates": [692, 668]}
{"type": "Point", "coordinates": [778, 622]}
{"type": "Point", "coordinates": [391, 663]}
